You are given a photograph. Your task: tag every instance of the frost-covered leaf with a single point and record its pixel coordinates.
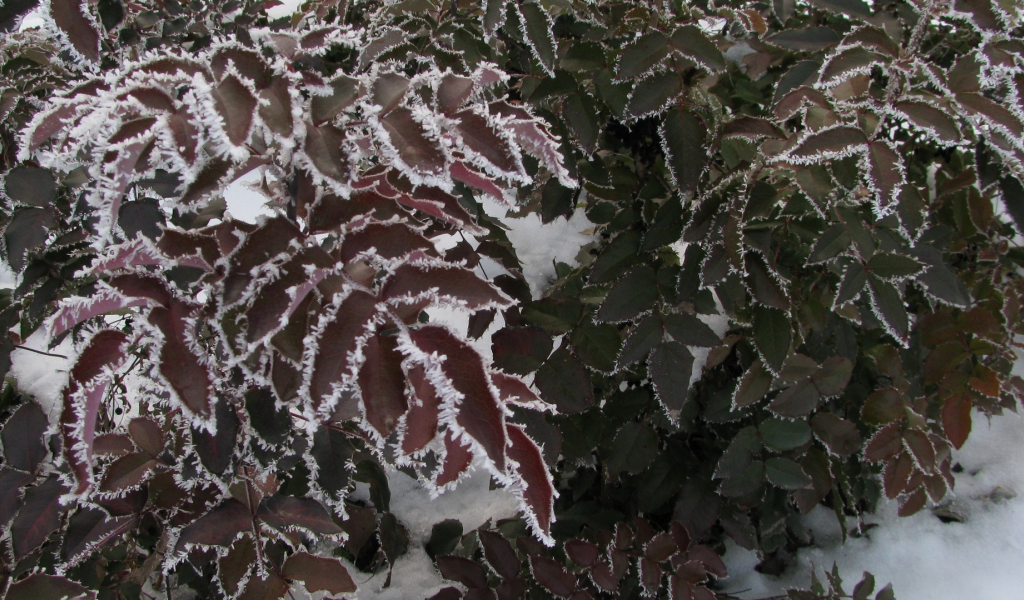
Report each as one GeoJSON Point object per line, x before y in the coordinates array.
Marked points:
{"type": "Point", "coordinates": [442, 283]}
{"type": "Point", "coordinates": [27, 230]}
{"type": "Point", "coordinates": [345, 91]}
{"type": "Point", "coordinates": [597, 345]}
{"type": "Point", "coordinates": [31, 186]}
{"type": "Point", "coordinates": [772, 336]}
{"type": "Point", "coordinates": [500, 554]}
{"type": "Point", "coordinates": [480, 414]}
{"type": "Point", "coordinates": [179, 365]}
{"type": "Point", "coordinates": [830, 244]}
{"type": "Point", "coordinates": [683, 136]}
{"type": "Point", "coordinates": [237, 107]}
{"type": "Point", "coordinates": [849, 62]}
{"type": "Point", "coordinates": [691, 42]}
{"type": "Point", "coordinates": [319, 573]}
{"type": "Point", "coordinates": [653, 94]}
{"type": "Point", "coordinates": [832, 143]}
{"type": "Point", "coordinates": [932, 119]}
{"type": "Point", "coordinates": [323, 146]}
{"type": "Point", "coordinates": [23, 437]}
{"type": "Point", "coordinates": [783, 434]}
{"type": "Point", "coordinates": [640, 55]}
{"type": "Point", "coordinates": [753, 385]}
{"type": "Point", "coordinates": [422, 418]}
{"type": "Point", "coordinates": [78, 26]}
{"type": "Point", "coordinates": [216, 451]}
{"type": "Point", "coordinates": [840, 435]}
{"type": "Point", "coordinates": [644, 337]}
{"type": "Point", "coordinates": [634, 294]}
{"type": "Point", "coordinates": [127, 472]}
{"type": "Point", "coordinates": [458, 456]}
{"type": "Point", "coordinates": [91, 529]}
{"type": "Point", "coordinates": [39, 516]}
{"type": "Point", "coordinates": [382, 383]}
{"type": "Point", "coordinates": [552, 576]}
{"type": "Point", "coordinates": [886, 173]}
{"type": "Point", "coordinates": [888, 305]}
{"type": "Point", "coordinates": [40, 586]}
{"type": "Point", "coordinates": [462, 570]}
{"type": "Point", "coordinates": [537, 487]}
{"type": "Point", "coordinates": [410, 141]}
{"type": "Point", "coordinates": [564, 382]}
{"type": "Point", "coordinates": [891, 266]}
{"type": "Point", "coordinates": [786, 474]}
{"type": "Point", "coordinates": [338, 342]}
{"type": "Point", "coordinates": [536, 24]}
{"type": "Point", "coordinates": [671, 366]}
{"type": "Point", "coordinates": [219, 527]}
{"type": "Point", "coordinates": [805, 40]}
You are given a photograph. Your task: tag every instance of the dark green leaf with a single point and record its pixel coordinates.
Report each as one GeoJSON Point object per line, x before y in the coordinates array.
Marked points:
{"type": "Point", "coordinates": [772, 336]}
{"type": "Point", "coordinates": [564, 382]}
{"type": "Point", "coordinates": [27, 229]}
{"type": "Point", "coordinates": [889, 307]}
{"type": "Point", "coordinates": [805, 40]}
{"type": "Point", "coordinates": [688, 329]}
{"type": "Point", "coordinates": [634, 294]}
{"type": "Point", "coordinates": [31, 185]}
{"type": "Point", "coordinates": [671, 367]}
{"type": "Point", "coordinates": [597, 345]}
{"type": "Point", "coordinates": [784, 434]}
{"type": "Point", "coordinates": [644, 337]}
{"type": "Point", "coordinates": [633, 449]}
{"type": "Point", "coordinates": [654, 93]}
{"type": "Point", "coordinates": [753, 385]}
{"type": "Point", "coordinates": [831, 243]}
{"type": "Point", "coordinates": [642, 54]}
{"type": "Point", "coordinates": [444, 537]}
{"type": "Point", "coordinates": [853, 282]}
{"type": "Point", "coordinates": [617, 258]}
{"type": "Point", "coordinates": [683, 136]}
{"type": "Point", "coordinates": [691, 42]}
{"type": "Point", "coordinates": [786, 474]}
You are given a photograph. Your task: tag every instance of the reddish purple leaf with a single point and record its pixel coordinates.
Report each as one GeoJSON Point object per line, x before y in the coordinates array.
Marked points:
{"type": "Point", "coordinates": [457, 458]}
{"type": "Point", "coordinates": [421, 420]}
{"type": "Point", "coordinates": [382, 383]}
{"type": "Point", "coordinates": [274, 303]}
{"type": "Point", "coordinates": [442, 283]}
{"type": "Point", "coordinates": [140, 286]}
{"type": "Point", "coordinates": [711, 561]}
{"type": "Point", "coordinates": [112, 444]}
{"type": "Point", "coordinates": [179, 361]}
{"type": "Point", "coordinates": [462, 570]}
{"type": "Point", "coordinates": [553, 576]}
{"type": "Point", "coordinates": [410, 140]}
{"type": "Point", "coordinates": [480, 414]}
{"type": "Point", "coordinates": [384, 240]}
{"type": "Point", "coordinates": [79, 27]}
{"type": "Point", "coordinates": [38, 517]}
{"type": "Point", "coordinates": [219, 527]}
{"type": "Point", "coordinates": [75, 310]}
{"type": "Point", "coordinates": [283, 512]}
{"type": "Point", "coordinates": [147, 435]}
{"type": "Point", "coordinates": [582, 552]}
{"type": "Point", "coordinates": [460, 172]}
{"type": "Point", "coordinates": [339, 341]}
{"type": "Point", "coordinates": [538, 488]}
{"type": "Point", "coordinates": [453, 92]}
{"type": "Point", "coordinates": [885, 172]}
{"type": "Point", "coordinates": [276, 108]}
{"type": "Point", "coordinates": [40, 586]}
{"type": "Point", "coordinates": [319, 573]}
{"type": "Point", "coordinates": [835, 142]}
{"type": "Point", "coordinates": [499, 554]}
{"type": "Point", "coordinates": [127, 471]}
{"type": "Point", "coordinates": [23, 437]}
{"type": "Point", "coordinates": [211, 179]}
{"type": "Point", "coordinates": [650, 576]}
{"type": "Point", "coordinates": [90, 529]}
{"type": "Point", "coordinates": [956, 419]}
{"type": "Point", "coordinates": [273, 587]}
{"type": "Point", "coordinates": [11, 482]}
{"type": "Point", "coordinates": [480, 138]}
{"type": "Point", "coordinates": [513, 390]}
{"type": "Point", "coordinates": [237, 107]}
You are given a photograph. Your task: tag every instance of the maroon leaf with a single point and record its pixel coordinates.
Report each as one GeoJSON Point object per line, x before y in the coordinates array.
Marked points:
{"type": "Point", "coordinates": [410, 141]}
{"type": "Point", "coordinates": [78, 26]}
{"type": "Point", "coordinates": [457, 458]}
{"type": "Point", "coordinates": [276, 106]}
{"type": "Point", "coordinates": [460, 172]}
{"type": "Point", "coordinates": [840, 435]}
{"type": "Point", "coordinates": [445, 283]}
{"type": "Point", "coordinates": [24, 444]}
{"type": "Point", "coordinates": [421, 420]}
{"type": "Point", "coordinates": [211, 179]}
{"type": "Point", "coordinates": [480, 138]}
{"type": "Point", "coordinates": [237, 107]}
{"type": "Point", "coordinates": [885, 443]}
{"type": "Point", "coordinates": [650, 576]}
{"type": "Point", "coordinates": [90, 529]}
{"type": "Point", "coordinates": [127, 471]}
{"type": "Point", "coordinates": [273, 587]}
{"type": "Point", "coordinates": [179, 363]}
{"type": "Point", "coordinates": [711, 561]}
{"type": "Point", "coordinates": [538, 488]}
{"type": "Point", "coordinates": [582, 552]}
{"type": "Point", "coordinates": [835, 142]}
{"type": "Point", "coordinates": [604, 577]}
{"type": "Point", "coordinates": [112, 444]}
{"type": "Point", "coordinates": [219, 527]}
{"type": "Point", "coordinates": [340, 339]}
{"type": "Point", "coordinates": [480, 414]}
{"type": "Point", "coordinates": [38, 517]}
{"type": "Point", "coordinates": [247, 62]}
{"type": "Point", "coordinates": [552, 576]}
{"type": "Point", "coordinates": [27, 229]}
{"type": "Point", "coordinates": [499, 554]}
{"type": "Point", "coordinates": [323, 145]}
{"type": "Point", "coordinates": [282, 512]}
{"type": "Point", "coordinates": [147, 435]}
{"type": "Point", "coordinates": [319, 573]}
{"type": "Point", "coordinates": [382, 383]}
{"type": "Point", "coordinates": [384, 240]}
{"type": "Point", "coordinates": [77, 310]}
{"type": "Point", "coordinates": [751, 128]}
{"type": "Point", "coordinates": [462, 570]}
{"type": "Point", "coordinates": [885, 171]}
{"type": "Point", "coordinates": [453, 92]}
{"type": "Point", "coordinates": [216, 451]}
{"type": "Point", "coordinates": [275, 302]}
{"type": "Point", "coordinates": [40, 586]}
{"type": "Point", "coordinates": [956, 419]}
{"type": "Point", "coordinates": [515, 391]}
{"type": "Point", "coordinates": [11, 482]}
{"type": "Point", "coordinates": [236, 565]}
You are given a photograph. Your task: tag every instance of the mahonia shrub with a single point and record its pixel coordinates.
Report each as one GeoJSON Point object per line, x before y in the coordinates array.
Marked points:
{"type": "Point", "coordinates": [803, 282]}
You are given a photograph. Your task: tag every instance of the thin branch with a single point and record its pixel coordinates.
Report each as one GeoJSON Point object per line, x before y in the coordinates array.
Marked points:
{"type": "Point", "coordinates": [21, 347]}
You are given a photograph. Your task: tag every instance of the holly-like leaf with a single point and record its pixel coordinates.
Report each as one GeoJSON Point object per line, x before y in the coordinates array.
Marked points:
{"type": "Point", "coordinates": [38, 517]}
{"type": "Point", "coordinates": [538, 488]}
{"type": "Point", "coordinates": [78, 27]}
{"type": "Point", "coordinates": [219, 527]}
{"type": "Point", "coordinates": [691, 42]}
{"type": "Point", "coordinates": [444, 283]}
{"type": "Point", "coordinates": [480, 413]}
{"type": "Point", "coordinates": [552, 576]}
{"type": "Point", "coordinates": [642, 54]}
{"type": "Point", "coordinates": [564, 382]}
{"type": "Point", "coordinates": [499, 554]}
{"type": "Point", "coordinates": [782, 434]}
{"type": "Point", "coordinates": [772, 336]}
{"type": "Point", "coordinates": [683, 138]}
{"type": "Point", "coordinates": [536, 25]}
{"type": "Point", "coordinates": [40, 586]}
{"type": "Point", "coordinates": [634, 294]}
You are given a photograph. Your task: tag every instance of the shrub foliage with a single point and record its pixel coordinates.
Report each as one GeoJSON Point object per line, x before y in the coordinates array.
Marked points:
{"type": "Point", "coordinates": [803, 282]}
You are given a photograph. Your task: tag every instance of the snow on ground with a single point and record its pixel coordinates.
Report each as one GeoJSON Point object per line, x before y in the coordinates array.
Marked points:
{"type": "Point", "coordinates": [924, 558]}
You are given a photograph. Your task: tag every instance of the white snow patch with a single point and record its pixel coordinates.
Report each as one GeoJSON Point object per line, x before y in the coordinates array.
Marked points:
{"type": "Point", "coordinates": [43, 377]}
{"type": "Point", "coordinates": [244, 203]}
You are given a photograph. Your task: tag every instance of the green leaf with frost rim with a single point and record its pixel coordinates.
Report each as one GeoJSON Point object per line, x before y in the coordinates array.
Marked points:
{"type": "Point", "coordinates": [772, 336]}
{"type": "Point", "coordinates": [786, 474]}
